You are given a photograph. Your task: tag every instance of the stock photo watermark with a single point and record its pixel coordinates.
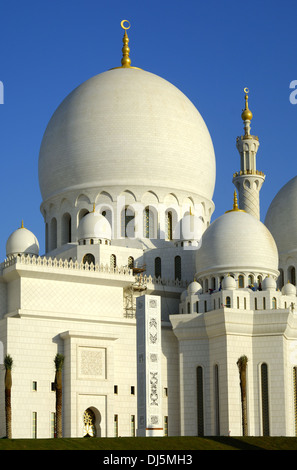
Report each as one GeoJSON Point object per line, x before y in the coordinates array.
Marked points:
{"type": "Point", "coordinates": [293, 94]}
{"type": "Point", "coordinates": [137, 220]}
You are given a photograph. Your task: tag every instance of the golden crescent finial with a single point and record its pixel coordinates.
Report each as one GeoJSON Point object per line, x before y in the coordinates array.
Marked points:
{"type": "Point", "coordinates": [125, 27]}
{"type": "Point", "coordinates": [247, 114]}
{"type": "Point", "coordinates": [126, 61]}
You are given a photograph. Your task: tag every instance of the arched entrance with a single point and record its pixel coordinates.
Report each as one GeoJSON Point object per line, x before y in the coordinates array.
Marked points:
{"type": "Point", "coordinates": [91, 423]}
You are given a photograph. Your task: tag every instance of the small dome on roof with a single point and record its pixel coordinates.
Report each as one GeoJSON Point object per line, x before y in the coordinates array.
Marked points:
{"type": "Point", "coordinates": [229, 283]}
{"type": "Point", "coordinates": [269, 283]}
{"type": "Point", "coordinates": [94, 226]}
{"type": "Point", "coordinates": [194, 288]}
{"type": "Point", "coordinates": [289, 289]}
{"type": "Point", "coordinates": [22, 241]}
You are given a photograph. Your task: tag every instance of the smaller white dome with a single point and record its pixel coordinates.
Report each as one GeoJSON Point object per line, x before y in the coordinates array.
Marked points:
{"type": "Point", "coordinates": [269, 283]}
{"type": "Point", "coordinates": [194, 288]}
{"type": "Point", "coordinates": [229, 283]}
{"type": "Point", "coordinates": [94, 225]}
{"type": "Point", "coordinates": [237, 242]}
{"type": "Point", "coordinates": [22, 241]}
{"type": "Point", "coordinates": [289, 289]}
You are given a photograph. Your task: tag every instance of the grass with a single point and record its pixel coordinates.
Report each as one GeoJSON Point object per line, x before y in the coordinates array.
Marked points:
{"type": "Point", "coordinates": [153, 444]}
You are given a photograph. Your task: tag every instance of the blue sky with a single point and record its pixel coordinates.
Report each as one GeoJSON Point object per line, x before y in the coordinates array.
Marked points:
{"type": "Point", "coordinates": [209, 49]}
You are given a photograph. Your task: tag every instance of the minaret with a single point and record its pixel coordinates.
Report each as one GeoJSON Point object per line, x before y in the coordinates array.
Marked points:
{"type": "Point", "coordinates": [248, 180]}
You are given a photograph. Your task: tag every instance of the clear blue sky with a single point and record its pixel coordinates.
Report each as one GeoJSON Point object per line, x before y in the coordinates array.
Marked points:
{"type": "Point", "coordinates": [209, 49]}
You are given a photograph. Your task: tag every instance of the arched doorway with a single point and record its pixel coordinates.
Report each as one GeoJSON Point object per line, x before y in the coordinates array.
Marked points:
{"type": "Point", "coordinates": [91, 423]}
{"type": "Point", "coordinates": [89, 258]}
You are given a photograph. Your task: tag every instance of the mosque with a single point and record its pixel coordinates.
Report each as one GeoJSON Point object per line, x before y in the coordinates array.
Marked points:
{"type": "Point", "coordinates": [169, 323]}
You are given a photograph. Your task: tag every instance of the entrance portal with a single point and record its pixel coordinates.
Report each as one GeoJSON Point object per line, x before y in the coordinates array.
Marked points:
{"type": "Point", "coordinates": [89, 423]}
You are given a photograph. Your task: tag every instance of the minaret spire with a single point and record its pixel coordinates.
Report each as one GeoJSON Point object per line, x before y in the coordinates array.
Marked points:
{"type": "Point", "coordinates": [248, 180]}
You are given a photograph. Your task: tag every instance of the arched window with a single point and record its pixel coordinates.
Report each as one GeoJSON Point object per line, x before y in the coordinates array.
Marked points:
{"type": "Point", "coordinates": [128, 222]}
{"type": "Point", "coordinates": [158, 268]}
{"type": "Point", "coordinates": [107, 213]}
{"type": "Point", "coordinates": [250, 280]}
{"type": "Point", "coordinates": [113, 261]}
{"type": "Point", "coordinates": [169, 225]}
{"type": "Point", "coordinates": [148, 223]}
{"type": "Point", "coordinates": [200, 402]}
{"type": "Point", "coordinates": [177, 268]}
{"type": "Point", "coordinates": [53, 234]}
{"type": "Point", "coordinates": [81, 214]}
{"type": "Point", "coordinates": [274, 304]}
{"type": "Point", "coordinates": [259, 282]}
{"type": "Point", "coordinates": [265, 399]}
{"type": "Point", "coordinates": [189, 308]}
{"type": "Point", "coordinates": [66, 228]}
{"type": "Point", "coordinates": [213, 283]}
{"type": "Point", "coordinates": [240, 281]}
{"type": "Point", "coordinates": [228, 302]}
{"type": "Point", "coordinates": [89, 258]}
{"type": "Point", "coordinates": [46, 238]}
{"type": "Point", "coordinates": [280, 280]}
{"type": "Point", "coordinates": [292, 275]}
{"type": "Point", "coordinates": [131, 262]}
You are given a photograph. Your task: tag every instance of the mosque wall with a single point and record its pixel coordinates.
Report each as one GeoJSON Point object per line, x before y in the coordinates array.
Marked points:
{"type": "Point", "coordinates": [64, 298]}
{"type": "Point", "coordinates": [99, 372]}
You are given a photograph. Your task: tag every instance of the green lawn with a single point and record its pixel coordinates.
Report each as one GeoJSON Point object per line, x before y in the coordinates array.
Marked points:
{"type": "Point", "coordinates": [153, 444]}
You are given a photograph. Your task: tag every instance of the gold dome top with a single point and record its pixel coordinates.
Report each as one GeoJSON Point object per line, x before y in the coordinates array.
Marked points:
{"type": "Point", "coordinates": [126, 61]}
{"type": "Point", "coordinates": [235, 204]}
{"type": "Point", "coordinates": [247, 114]}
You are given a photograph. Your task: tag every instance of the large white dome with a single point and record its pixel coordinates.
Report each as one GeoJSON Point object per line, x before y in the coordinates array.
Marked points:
{"type": "Point", "coordinates": [237, 242]}
{"type": "Point", "coordinates": [281, 217]}
{"type": "Point", "coordinates": [126, 127]}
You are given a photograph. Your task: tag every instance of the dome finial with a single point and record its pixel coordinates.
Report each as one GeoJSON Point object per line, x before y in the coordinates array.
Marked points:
{"type": "Point", "coordinates": [246, 115]}
{"type": "Point", "coordinates": [235, 204]}
{"type": "Point", "coordinates": [22, 226]}
{"type": "Point", "coordinates": [126, 61]}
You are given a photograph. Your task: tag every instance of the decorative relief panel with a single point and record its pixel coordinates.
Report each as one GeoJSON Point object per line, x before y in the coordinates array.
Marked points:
{"type": "Point", "coordinates": [91, 363]}
{"type": "Point", "coordinates": [148, 316]}
{"type": "Point", "coordinates": [154, 398]}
